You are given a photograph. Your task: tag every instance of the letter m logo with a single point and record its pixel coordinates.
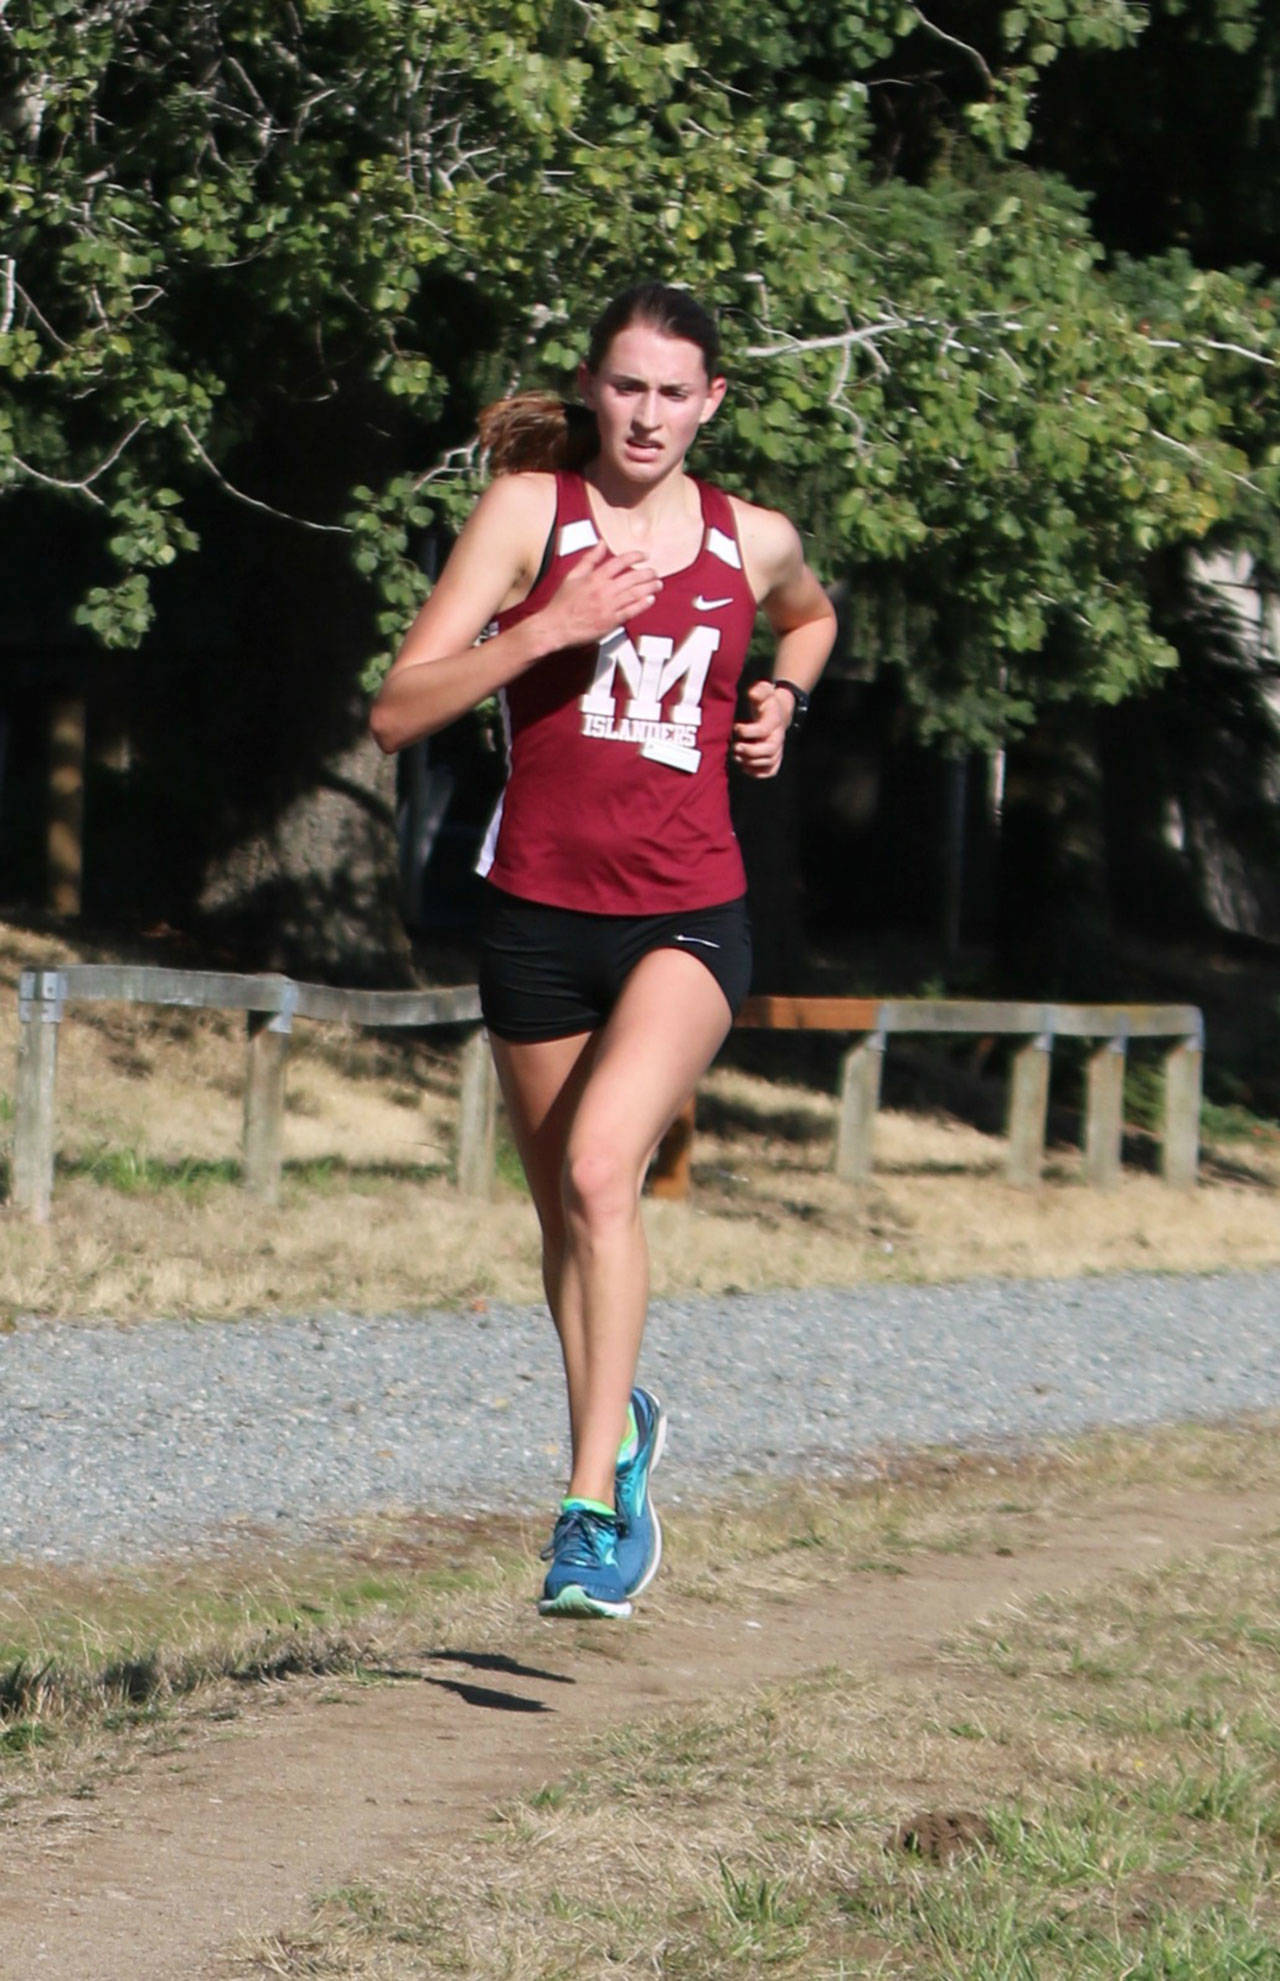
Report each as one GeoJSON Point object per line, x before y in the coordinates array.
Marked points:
{"type": "Point", "coordinates": [651, 668]}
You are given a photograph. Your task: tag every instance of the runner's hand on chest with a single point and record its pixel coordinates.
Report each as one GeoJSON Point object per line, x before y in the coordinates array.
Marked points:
{"type": "Point", "coordinates": [600, 593]}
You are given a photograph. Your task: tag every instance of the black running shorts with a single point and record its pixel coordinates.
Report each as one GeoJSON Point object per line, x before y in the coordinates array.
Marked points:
{"type": "Point", "coordinates": [546, 973]}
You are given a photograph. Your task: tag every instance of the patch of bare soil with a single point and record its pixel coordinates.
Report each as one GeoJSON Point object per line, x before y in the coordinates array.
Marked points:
{"type": "Point", "coordinates": [169, 1870]}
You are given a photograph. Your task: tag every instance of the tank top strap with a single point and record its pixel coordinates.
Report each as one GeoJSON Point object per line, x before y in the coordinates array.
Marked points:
{"type": "Point", "coordinates": [574, 528]}
{"type": "Point", "coordinates": [720, 538]}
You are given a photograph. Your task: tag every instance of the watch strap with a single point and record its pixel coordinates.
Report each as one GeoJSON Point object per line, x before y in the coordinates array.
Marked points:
{"type": "Point", "coordinates": [800, 699]}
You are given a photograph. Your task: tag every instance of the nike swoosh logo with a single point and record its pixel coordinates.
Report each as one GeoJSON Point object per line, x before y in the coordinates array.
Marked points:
{"type": "Point", "coordinates": [701, 604]}
{"type": "Point", "coordinates": [701, 941]}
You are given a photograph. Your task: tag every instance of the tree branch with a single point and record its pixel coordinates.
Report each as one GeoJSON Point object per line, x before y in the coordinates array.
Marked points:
{"type": "Point", "coordinates": [1182, 447]}
{"type": "Point", "coordinates": [1236, 350]}
{"type": "Point", "coordinates": [845, 340]}
{"type": "Point", "coordinates": [1212, 344]}
{"type": "Point", "coordinates": [252, 502]}
{"type": "Point", "coordinates": [940, 34]}
{"type": "Point", "coordinates": [85, 485]}
{"type": "Point", "coordinates": [842, 340]}
{"type": "Point", "coordinates": [454, 461]}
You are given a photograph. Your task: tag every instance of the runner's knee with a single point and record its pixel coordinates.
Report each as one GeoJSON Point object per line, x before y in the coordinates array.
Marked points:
{"type": "Point", "coordinates": [600, 1185]}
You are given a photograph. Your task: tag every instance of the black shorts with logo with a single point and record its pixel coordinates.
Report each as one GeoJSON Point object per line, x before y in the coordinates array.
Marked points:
{"type": "Point", "coordinates": [546, 973]}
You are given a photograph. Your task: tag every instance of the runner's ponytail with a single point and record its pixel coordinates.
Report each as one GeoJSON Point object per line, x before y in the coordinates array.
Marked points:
{"type": "Point", "coordinates": [534, 431]}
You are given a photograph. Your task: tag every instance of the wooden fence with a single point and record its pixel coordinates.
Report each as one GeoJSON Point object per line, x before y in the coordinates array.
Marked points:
{"type": "Point", "coordinates": [271, 1003]}
{"type": "Point", "coordinates": [871, 1021]}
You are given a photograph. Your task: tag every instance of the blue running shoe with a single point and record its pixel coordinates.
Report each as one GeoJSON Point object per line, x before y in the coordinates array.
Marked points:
{"type": "Point", "coordinates": [639, 1529]}
{"type": "Point", "coordinates": [583, 1579]}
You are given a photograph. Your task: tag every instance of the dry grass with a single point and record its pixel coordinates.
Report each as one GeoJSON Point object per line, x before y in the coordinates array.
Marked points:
{"type": "Point", "coordinates": [149, 1217]}
{"type": "Point", "coordinates": [1117, 1748]}
{"type": "Point", "coordinates": [93, 1662]}
{"type": "Point", "coordinates": [83, 1650]}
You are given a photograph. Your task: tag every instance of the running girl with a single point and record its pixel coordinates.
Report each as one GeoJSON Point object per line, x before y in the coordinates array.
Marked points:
{"type": "Point", "coordinates": [619, 595]}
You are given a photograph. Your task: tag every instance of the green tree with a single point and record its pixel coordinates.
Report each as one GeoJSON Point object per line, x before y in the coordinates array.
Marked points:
{"type": "Point", "coordinates": [213, 213]}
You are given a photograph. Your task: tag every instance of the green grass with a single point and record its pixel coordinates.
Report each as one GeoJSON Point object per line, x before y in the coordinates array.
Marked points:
{"type": "Point", "coordinates": [508, 1168]}
{"type": "Point", "coordinates": [1231, 1122]}
{"type": "Point", "coordinates": [1223, 1121]}
{"type": "Point", "coordinates": [20, 1736]}
{"type": "Point", "coordinates": [132, 1171]}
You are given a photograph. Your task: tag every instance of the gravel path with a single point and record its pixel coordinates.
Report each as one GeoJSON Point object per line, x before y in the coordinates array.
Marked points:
{"type": "Point", "coordinates": [120, 1442]}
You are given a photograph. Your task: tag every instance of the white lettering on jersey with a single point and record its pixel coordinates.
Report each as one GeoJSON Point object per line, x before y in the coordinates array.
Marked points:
{"type": "Point", "coordinates": [651, 668]}
{"type": "Point", "coordinates": [628, 730]}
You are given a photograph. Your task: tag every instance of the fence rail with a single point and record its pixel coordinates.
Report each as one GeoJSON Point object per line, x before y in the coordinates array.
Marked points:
{"type": "Point", "coordinates": [872, 1020]}
{"type": "Point", "coordinates": [272, 1003]}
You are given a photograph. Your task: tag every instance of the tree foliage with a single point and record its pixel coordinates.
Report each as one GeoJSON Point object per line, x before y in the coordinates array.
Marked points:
{"type": "Point", "coordinates": [219, 213]}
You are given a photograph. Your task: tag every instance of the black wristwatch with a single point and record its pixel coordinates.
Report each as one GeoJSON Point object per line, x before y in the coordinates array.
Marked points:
{"type": "Point", "coordinates": [801, 701]}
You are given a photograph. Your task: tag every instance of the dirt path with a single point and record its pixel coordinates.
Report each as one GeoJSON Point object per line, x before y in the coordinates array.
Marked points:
{"type": "Point", "coordinates": [161, 1874]}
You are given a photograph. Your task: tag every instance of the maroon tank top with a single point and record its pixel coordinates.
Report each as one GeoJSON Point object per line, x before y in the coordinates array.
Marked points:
{"type": "Point", "coordinates": [617, 796]}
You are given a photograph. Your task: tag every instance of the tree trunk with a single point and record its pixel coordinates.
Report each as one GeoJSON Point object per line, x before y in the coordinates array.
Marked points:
{"type": "Point", "coordinates": [316, 892]}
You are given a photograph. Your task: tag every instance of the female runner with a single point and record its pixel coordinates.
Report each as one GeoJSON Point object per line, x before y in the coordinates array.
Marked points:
{"type": "Point", "coordinates": [620, 595]}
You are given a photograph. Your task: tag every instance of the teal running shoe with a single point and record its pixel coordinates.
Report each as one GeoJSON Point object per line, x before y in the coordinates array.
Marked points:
{"type": "Point", "coordinates": [583, 1579]}
{"type": "Point", "coordinates": [639, 1529]}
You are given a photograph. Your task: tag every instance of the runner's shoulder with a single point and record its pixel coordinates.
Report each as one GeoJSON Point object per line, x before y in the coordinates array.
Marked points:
{"type": "Point", "coordinates": [516, 512]}
{"type": "Point", "coordinates": [529, 493]}
{"type": "Point", "coordinates": [770, 543]}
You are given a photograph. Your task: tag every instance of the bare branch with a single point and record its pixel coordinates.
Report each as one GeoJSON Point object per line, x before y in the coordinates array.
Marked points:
{"type": "Point", "coordinates": [1182, 447]}
{"type": "Point", "coordinates": [843, 340]}
{"type": "Point", "coordinates": [941, 35]}
{"type": "Point", "coordinates": [84, 486]}
{"type": "Point", "coordinates": [252, 502]}
{"type": "Point", "coordinates": [988, 320]}
{"type": "Point", "coordinates": [842, 375]}
{"type": "Point", "coordinates": [10, 293]}
{"type": "Point", "coordinates": [1211, 344]}
{"type": "Point", "coordinates": [53, 481]}
{"type": "Point", "coordinates": [30, 304]}
{"type": "Point", "coordinates": [454, 461]}
{"type": "Point", "coordinates": [1236, 350]}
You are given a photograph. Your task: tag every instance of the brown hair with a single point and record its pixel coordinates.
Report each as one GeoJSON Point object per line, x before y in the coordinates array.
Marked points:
{"type": "Point", "coordinates": [658, 306]}
{"type": "Point", "coordinates": [535, 430]}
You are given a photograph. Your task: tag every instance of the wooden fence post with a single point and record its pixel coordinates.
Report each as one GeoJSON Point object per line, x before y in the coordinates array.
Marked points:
{"type": "Point", "coordinates": [264, 1098]}
{"type": "Point", "coordinates": [1180, 1156]}
{"type": "Point", "coordinates": [65, 833]}
{"type": "Point", "coordinates": [1104, 1114]}
{"type": "Point", "coordinates": [1029, 1110]}
{"type": "Point", "coordinates": [477, 1118]}
{"type": "Point", "coordinates": [859, 1101]}
{"type": "Point", "coordinates": [39, 1013]}
{"type": "Point", "coordinates": [671, 1172]}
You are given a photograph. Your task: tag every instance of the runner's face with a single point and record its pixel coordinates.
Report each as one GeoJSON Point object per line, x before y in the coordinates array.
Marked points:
{"type": "Point", "coordinates": [650, 396]}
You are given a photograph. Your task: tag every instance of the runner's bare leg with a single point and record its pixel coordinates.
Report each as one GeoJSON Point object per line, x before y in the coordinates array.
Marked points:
{"type": "Point", "coordinates": [587, 1115]}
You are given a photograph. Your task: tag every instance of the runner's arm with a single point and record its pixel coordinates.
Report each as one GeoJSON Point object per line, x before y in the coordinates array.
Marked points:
{"type": "Point", "coordinates": [439, 672]}
{"type": "Point", "coordinates": [804, 620]}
